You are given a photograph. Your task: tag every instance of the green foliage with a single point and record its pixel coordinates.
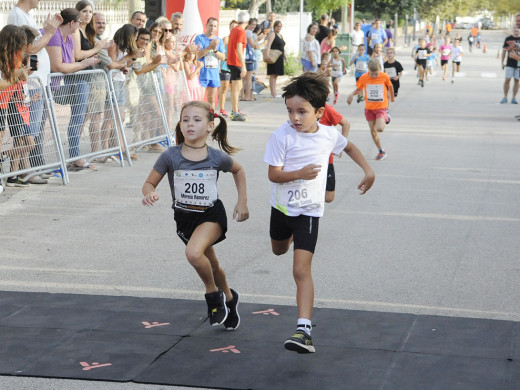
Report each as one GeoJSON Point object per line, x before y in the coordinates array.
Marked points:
{"type": "Point", "coordinates": [319, 7]}
{"type": "Point", "coordinates": [293, 67]}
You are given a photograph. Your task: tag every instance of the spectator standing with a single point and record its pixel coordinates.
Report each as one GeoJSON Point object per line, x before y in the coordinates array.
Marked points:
{"type": "Point", "coordinates": [20, 16]}
{"type": "Point", "coordinates": [14, 41]}
{"type": "Point", "coordinates": [251, 61]}
{"type": "Point", "coordinates": [267, 25]}
{"type": "Point", "coordinates": [138, 19]}
{"type": "Point", "coordinates": [357, 36]}
{"type": "Point", "coordinates": [511, 67]}
{"type": "Point", "coordinates": [225, 74]}
{"type": "Point", "coordinates": [83, 48]}
{"type": "Point", "coordinates": [390, 37]}
{"type": "Point", "coordinates": [148, 109]}
{"type": "Point", "coordinates": [323, 28]}
{"type": "Point", "coordinates": [236, 63]}
{"type": "Point", "coordinates": [211, 52]}
{"type": "Point", "coordinates": [192, 69]}
{"type": "Point", "coordinates": [74, 91]}
{"type": "Point", "coordinates": [311, 49]}
{"type": "Point", "coordinates": [275, 41]}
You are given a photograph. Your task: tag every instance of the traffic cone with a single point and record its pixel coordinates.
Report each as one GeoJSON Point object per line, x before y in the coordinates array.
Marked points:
{"type": "Point", "coordinates": [484, 48]}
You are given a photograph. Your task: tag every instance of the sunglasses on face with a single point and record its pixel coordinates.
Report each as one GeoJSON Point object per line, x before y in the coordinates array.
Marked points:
{"type": "Point", "coordinates": [168, 30]}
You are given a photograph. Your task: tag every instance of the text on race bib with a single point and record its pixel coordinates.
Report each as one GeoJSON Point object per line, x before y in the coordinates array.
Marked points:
{"type": "Point", "coordinates": [375, 92]}
{"type": "Point", "coordinates": [391, 72]}
{"type": "Point", "coordinates": [195, 188]}
{"type": "Point", "coordinates": [210, 61]}
{"type": "Point", "coordinates": [361, 66]}
{"type": "Point", "coordinates": [303, 194]}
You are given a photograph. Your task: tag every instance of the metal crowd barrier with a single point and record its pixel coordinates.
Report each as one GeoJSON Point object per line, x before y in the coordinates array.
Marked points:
{"type": "Point", "coordinates": [141, 113]}
{"type": "Point", "coordinates": [176, 94]}
{"type": "Point", "coordinates": [29, 143]}
{"type": "Point", "coordinates": [83, 113]}
{"type": "Point", "coordinates": [87, 115]}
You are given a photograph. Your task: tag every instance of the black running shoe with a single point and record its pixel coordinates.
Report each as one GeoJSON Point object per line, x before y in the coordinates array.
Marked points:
{"type": "Point", "coordinates": [233, 319]}
{"type": "Point", "coordinates": [217, 309]}
{"type": "Point", "coordinates": [300, 342]}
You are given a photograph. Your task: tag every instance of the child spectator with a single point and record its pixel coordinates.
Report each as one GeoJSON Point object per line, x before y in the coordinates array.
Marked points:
{"type": "Point", "coordinates": [393, 69]}
{"type": "Point", "coordinates": [192, 69]}
{"type": "Point", "coordinates": [193, 168]}
{"type": "Point", "coordinates": [360, 61]}
{"type": "Point", "coordinates": [15, 100]}
{"type": "Point", "coordinates": [296, 153]}
{"type": "Point", "coordinates": [378, 90]}
{"type": "Point", "coordinates": [337, 69]}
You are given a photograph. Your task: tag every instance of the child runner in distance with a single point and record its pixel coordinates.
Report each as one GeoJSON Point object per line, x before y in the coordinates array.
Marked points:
{"type": "Point", "coordinates": [192, 168]}
{"type": "Point", "coordinates": [393, 69]}
{"type": "Point", "coordinates": [338, 69]}
{"type": "Point", "coordinates": [297, 153]}
{"type": "Point", "coordinates": [421, 56]}
{"type": "Point", "coordinates": [331, 117]}
{"type": "Point", "coordinates": [378, 90]}
{"type": "Point", "coordinates": [445, 51]}
{"type": "Point", "coordinates": [456, 56]}
{"type": "Point", "coordinates": [378, 54]}
{"type": "Point", "coordinates": [324, 68]}
{"type": "Point", "coordinates": [360, 61]}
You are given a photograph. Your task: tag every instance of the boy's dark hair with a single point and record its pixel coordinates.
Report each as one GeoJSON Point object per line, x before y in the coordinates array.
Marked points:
{"type": "Point", "coordinates": [143, 31]}
{"type": "Point", "coordinates": [310, 86]}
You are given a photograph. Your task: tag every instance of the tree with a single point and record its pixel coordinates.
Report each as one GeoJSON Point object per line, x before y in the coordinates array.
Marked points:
{"type": "Point", "coordinates": [320, 7]}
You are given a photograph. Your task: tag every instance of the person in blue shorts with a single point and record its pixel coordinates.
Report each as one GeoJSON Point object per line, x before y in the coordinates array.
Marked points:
{"type": "Point", "coordinates": [211, 52]}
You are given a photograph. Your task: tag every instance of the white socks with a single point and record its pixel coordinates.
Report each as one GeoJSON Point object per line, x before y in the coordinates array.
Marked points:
{"type": "Point", "coordinates": [305, 325]}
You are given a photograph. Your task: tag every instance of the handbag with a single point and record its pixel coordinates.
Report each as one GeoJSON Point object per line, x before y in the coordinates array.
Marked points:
{"type": "Point", "coordinates": [274, 54]}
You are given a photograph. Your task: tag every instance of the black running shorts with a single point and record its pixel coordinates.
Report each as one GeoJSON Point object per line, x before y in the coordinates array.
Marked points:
{"type": "Point", "coordinates": [303, 228]}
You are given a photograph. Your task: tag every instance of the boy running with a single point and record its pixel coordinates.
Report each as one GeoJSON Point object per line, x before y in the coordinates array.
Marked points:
{"type": "Point", "coordinates": [296, 153]}
{"type": "Point", "coordinates": [393, 69]}
{"type": "Point", "coordinates": [378, 90]}
{"type": "Point", "coordinates": [421, 56]}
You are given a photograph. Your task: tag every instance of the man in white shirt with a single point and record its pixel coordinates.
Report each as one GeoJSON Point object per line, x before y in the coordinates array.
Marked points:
{"type": "Point", "coordinates": [20, 16]}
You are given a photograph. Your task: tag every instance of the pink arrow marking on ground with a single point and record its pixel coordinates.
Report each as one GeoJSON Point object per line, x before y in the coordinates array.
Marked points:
{"type": "Point", "coordinates": [86, 366]}
{"type": "Point", "coordinates": [230, 348]}
{"type": "Point", "coordinates": [148, 325]}
{"type": "Point", "coordinates": [267, 312]}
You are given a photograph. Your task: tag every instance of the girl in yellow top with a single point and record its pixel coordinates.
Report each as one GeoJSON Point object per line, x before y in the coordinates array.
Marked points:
{"type": "Point", "coordinates": [378, 90]}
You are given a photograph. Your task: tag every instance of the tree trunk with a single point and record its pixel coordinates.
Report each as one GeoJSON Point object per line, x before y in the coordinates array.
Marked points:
{"type": "Point", "coordinates": [253, 7]}
{"type": "Point", "coordinates": [268, 7]}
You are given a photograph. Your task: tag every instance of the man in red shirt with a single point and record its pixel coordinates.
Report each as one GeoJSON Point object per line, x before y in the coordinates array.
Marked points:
{"type": "Point", "coordinates": [236, 62]}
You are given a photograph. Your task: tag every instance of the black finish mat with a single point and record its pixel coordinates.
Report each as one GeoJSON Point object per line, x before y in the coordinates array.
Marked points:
{"type": "Point", "coordinates": [169, 342]}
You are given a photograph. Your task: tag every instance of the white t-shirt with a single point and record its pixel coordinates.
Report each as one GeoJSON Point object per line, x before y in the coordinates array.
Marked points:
{"type": "Point", "coordinates": [293, 150]}
{"type": "Point", "coordinates": [358, 37]}
{"type": "Point", "coordinates": [456, 52]}
{"type": "Point", "coordinates": [19, 17]}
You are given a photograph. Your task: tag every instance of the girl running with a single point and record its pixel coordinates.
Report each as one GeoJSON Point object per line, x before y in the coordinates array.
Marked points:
{"type": "Point", "coordinates": [192, 168]}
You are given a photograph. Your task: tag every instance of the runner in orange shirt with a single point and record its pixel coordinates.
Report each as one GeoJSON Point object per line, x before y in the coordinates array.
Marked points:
{"type": "Point", "coordinates": [378, 90]}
